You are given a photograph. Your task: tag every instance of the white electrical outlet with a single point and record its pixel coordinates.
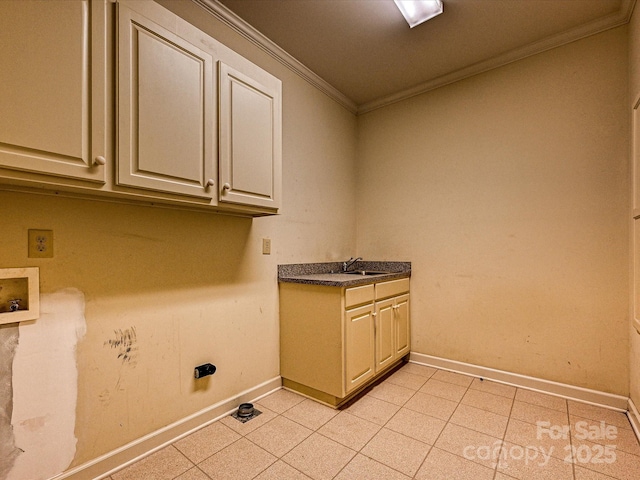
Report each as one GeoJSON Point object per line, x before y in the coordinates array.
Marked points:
{"type": "Point", "coordinates": [40, 244]}
{"type": "Point", "coordinates": [266, 246]}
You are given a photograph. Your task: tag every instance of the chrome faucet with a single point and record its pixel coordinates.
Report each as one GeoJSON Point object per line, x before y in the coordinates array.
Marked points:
{"type": "Point", "coordinates": [349, 263]}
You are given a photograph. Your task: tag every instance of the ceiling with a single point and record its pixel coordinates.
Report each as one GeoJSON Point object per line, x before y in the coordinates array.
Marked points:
{"type": "Point", "coordinates": [365, 50]}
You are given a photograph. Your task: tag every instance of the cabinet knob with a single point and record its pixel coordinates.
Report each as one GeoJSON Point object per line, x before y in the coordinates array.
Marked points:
{"type": "Point", "coordinates": [210, 183]}
{"type": "Point", "coordinates": [100, 160]}
{"type": "Point", "coordinates": [226, 186]}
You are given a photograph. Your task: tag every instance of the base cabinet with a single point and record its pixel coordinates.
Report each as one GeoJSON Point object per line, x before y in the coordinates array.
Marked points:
{"type": "Point", "coordinates": [334, 341]}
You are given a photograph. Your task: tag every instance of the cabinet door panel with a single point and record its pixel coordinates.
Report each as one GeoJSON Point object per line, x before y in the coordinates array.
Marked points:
{"type": "Point", "coordinates": [250, 137]}
{"type": "Point", "coordinates": [359, 346]}
{"type": "Point", "coordinates": [635, 164]}
{"type": "Point", "coordinates": [636, 274]}
{"type": "Point", "coordinates": [52, 87]}
{"type": "Point", "coordinates": [165, 100]}
{"type": "Point", "coordinates": [158, 146]}
{"type": "Point", "coordinates": [402, 326]}
{"type": "Point", "coordinates": [385, 333]}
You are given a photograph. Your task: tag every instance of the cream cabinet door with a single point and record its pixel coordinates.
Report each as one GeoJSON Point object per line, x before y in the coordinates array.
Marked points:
{"type": "Point", "coordinates": [402, 326]}
{"type": "Point", "coordinates": [385, 334]}
{"type": "Point", "coordinates": [250, 136]}
{"type": "Point", "coordinates": [52, 87]}
{"type": "Point", "coordinates": [359, 346]}
{"type": "Point", "coordinates": [392, 330]}
{"type": "Point", "coordinates": [166, 103]}
{"type": "Point", "coordinates": [636, 213]}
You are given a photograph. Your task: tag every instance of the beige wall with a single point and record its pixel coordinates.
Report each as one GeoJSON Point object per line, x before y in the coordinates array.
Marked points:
{"type": "Point", "coordinates": [634, 94]}
{"type": "Point", "coordinates": [508, 192]}
{"type": "Point", "coordinates": [195, 286]}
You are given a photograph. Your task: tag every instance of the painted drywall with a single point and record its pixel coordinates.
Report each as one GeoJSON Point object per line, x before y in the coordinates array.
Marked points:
{"type": "Point", "coordinates": [166, 290]}
{"type": "Point", "coordinates": [508, 193]}
{"type": "Point", "coordinates": [8, 449]}
{"type": "Point", "coordinates": [634, 95]}
{"type": "Point", "coordinates": [45, 387]}
{"type": "Point", "coordinates": [319, 143]}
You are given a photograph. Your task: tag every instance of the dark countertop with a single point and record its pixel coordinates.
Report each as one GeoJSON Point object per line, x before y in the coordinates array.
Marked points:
{"type": "Point", "coordinates": [330, 273]}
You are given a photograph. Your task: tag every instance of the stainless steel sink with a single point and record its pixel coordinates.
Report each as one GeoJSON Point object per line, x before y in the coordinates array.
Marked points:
{"type": "Point", "coordinates": [365, 272]}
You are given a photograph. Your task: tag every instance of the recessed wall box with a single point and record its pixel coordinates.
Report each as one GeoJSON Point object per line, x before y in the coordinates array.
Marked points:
{"type": "Point", "coordinates": [19, 294]}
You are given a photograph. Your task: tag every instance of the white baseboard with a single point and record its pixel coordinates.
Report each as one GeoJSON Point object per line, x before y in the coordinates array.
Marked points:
{"type": "Point", "coordinates": [634, 418]}
{"type": "Point", "coordinates": [115, 460]}
{"type": "Point", "coordinates": [571, 392]}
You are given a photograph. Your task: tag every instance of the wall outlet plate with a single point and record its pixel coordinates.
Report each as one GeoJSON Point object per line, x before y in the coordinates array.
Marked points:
{"type": "Point", "coordinates": [266, 246]}
{"type": "Point", "coordinates": [40, 244]}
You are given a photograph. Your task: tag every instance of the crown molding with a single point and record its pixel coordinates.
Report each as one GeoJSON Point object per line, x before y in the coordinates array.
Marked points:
{"type": "Point", "coordinates": [222, 13]}
{"type": "Point", "coordinates": [597, 26]}
{"type": "Point", "coordinates": [233, 21]}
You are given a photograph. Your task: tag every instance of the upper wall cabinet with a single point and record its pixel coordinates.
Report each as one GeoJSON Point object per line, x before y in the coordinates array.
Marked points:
{"type": "Point", "coordinates": [125, 100]}
{"type": "Point", "coordinates": [166, 104]}
{"type": "Point", "coordinates": [250, 136]}
{"type": "Point", "coordinates": [168, 130]}
{"type": "Point", "coordinates": [52, 88]}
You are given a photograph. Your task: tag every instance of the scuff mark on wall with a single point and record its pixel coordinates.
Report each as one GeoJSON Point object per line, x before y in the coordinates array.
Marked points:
{"type": "Point", "coordinates": [45, 387]}
{"type": "Point", "coordinates": [126, 343]}
{"type": "Point", "coordinates": [8, 450]}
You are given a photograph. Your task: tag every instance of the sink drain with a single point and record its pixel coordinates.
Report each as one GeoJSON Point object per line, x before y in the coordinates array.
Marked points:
{"type": "Point", "coordinates": [245, 412]}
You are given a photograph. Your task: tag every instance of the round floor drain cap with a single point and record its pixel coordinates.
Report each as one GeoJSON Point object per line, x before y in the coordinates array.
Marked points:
{"type": "Point", "coordinates": [245, 410]}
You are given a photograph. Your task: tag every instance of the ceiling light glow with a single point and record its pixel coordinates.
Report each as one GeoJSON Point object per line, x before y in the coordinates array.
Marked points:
{"type": "Point", "coordinates": [416, 12]}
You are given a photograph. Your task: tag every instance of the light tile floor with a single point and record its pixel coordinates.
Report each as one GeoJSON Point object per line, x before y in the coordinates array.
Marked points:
{"type": "Point", "coordinates": [419, 423]}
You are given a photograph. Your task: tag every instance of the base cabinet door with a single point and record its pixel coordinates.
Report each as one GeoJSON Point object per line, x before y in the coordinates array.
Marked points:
{"type": "Point", "coordinates": [402, 326]}
{"type": "Point", "coordinates": [166, 104]}
{"type": "Point", "coordinates": [385, 334]}
{"type": "Point", "coordinates": [359, 346]}
{"type": "Point", "coordinates": [52, 88]}
{"type": "Point", "coordinates": [392, 330]}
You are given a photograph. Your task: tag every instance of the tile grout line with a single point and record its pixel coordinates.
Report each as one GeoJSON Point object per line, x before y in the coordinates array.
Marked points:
{"type": "Point", "coordinates": [459, 402]}
{"type": "Point", "coordinates": [504, 435]}
{"type": "Point", "coordinates": [399, 433]}
{"type": "Point", "coordinates": [402, 406]}
{"type": "Point", "coordinates": [573, 448]}
{"type": "Point", "coordinates": [313, 430]}
{"type": "Point", "coordinates": [359, 452]}
{"type": "Point", "coordinates": [438, 436]}
{"type": "Point", "coordinates": [395, 398]}
{"type": "Point", "coordinates": [568, 418]}
{"type": "Point", "coordinates": [187, 458]}
{"type": "Point", "coordinates": [495, 468]}
{"type": "Point", "coordinates": [277, 458]}
{"type": "Point", "coordinates": [448, 422]}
